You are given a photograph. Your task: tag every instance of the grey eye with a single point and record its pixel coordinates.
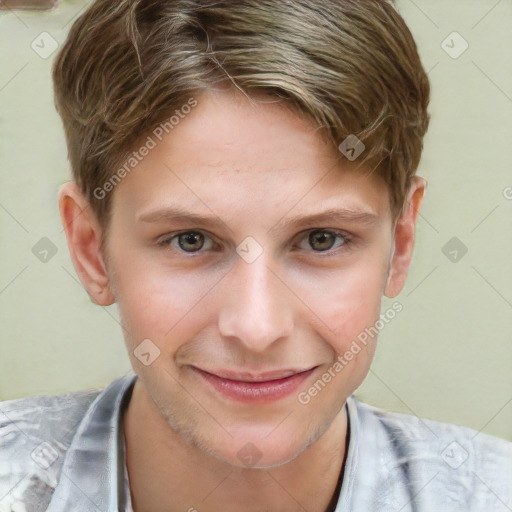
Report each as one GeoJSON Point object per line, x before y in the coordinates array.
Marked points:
{"type": "Point", "coordinates": [191, 241]}
{"type": "Point", "coordinates": [323, 240]}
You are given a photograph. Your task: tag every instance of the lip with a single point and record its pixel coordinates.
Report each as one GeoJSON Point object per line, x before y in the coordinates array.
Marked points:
{"type": "Point", "coordinates": [254, 388]}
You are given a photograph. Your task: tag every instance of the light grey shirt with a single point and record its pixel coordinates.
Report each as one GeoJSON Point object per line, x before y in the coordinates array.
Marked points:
{"type": "Point", "coordinates": [66, 453]}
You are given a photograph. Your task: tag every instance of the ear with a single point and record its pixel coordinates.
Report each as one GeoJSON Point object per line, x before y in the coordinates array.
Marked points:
{"type": "Point", "coordinates": [84, 241]}
{"type": "Point", "coordinates": [403, 240]}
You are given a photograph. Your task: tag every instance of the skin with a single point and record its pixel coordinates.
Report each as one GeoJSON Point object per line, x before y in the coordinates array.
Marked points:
{"type": "Point", "coordinates": [250, 166]}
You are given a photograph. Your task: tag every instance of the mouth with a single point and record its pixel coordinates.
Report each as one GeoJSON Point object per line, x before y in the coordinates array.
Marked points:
{"type": "Point", "coordinates": [254, 388]}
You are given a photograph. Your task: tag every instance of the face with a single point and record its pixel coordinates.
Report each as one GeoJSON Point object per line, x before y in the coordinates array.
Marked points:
{"type": "Point", "coordinates": [251, 256]}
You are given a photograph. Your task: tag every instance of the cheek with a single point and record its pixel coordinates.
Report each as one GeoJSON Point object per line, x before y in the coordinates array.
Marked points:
{"type": "Point", "coordinates": [159, 303]}
{"type": "Point", "coordinates": [350, 308]}
{"type": "Point", "coordinates": [347, 300]}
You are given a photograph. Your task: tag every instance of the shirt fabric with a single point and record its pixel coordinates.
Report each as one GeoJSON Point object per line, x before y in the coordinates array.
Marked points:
{"type": "Point", "coordinates": [66, 453]}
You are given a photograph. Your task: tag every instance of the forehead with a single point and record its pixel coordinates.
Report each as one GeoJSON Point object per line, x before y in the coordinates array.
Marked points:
{"type": "Point", "coordinates": [231, 154]}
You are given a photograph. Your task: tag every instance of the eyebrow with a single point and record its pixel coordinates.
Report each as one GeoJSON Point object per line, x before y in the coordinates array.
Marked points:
{"type": "Point", "coordinates": [331, 215]}
{"type": "Point", "coordinates": [326, 217]}
{"type": "Point", "coordinates": [178, 214]}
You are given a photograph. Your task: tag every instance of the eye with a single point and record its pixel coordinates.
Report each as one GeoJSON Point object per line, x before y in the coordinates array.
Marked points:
{"type": "Point", "coordinates": [189, 241]}
{"type": "Point", "coordinates": [322, 240]}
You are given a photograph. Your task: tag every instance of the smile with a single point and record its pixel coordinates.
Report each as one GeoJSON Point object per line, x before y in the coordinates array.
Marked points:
{"type": "Point", "coordinates": [262, 388]}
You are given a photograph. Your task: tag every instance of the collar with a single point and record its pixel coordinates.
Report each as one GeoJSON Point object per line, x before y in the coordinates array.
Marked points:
{"type": "Point", "coordinates": [94, 472]}
{"type": "Point", "coordinates": [90, 475]}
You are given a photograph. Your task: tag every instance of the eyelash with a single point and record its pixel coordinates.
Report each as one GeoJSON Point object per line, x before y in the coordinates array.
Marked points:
{"type": "Point", "coordinates": [346, 245]}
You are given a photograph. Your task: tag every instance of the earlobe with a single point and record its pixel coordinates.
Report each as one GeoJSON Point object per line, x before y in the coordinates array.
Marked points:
{"type": "Point", "coordinates": [83, 235]}
{"type": "Point", "coordinates": [404, 236]}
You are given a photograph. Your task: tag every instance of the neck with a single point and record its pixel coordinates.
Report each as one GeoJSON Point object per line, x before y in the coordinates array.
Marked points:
{"type": "Point", "coordinates": [169, 474]}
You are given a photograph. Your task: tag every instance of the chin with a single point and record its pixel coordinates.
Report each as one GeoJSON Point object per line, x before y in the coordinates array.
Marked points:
{"type": "Point", "coordinates": [250, 450]}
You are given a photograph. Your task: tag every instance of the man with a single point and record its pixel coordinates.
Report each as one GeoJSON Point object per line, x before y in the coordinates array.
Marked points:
{"type": "Point", "coordinates": [245, 191]}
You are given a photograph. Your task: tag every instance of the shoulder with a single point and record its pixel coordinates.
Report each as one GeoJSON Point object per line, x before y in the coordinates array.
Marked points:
{"type": "Point", "coordinates": [35, 434]}
{"type": "Point", "coordinates": [460, 468]}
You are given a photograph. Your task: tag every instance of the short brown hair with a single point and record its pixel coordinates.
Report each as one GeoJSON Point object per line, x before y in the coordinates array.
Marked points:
{"type": "Point", "coordinates": [352, 66]}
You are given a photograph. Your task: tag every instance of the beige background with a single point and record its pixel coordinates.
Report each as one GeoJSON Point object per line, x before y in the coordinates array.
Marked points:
{"type": "Point", "coordinates": [446, 356]}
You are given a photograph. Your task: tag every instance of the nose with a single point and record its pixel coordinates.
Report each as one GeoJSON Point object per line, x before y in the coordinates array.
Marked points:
{"type": "Point", "coordinates": [256, 307]}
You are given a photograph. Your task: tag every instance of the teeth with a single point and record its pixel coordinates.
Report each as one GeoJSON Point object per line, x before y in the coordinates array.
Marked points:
{"type": "Point", "coordinates": [263, 378]}
{"type": "Point", "coordinates": [266, 380]}
{"type": "Point", "coordinates": [256, 379]}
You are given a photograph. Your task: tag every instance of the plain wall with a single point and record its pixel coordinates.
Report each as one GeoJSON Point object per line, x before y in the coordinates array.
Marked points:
{"type": "Point", "coordinates": [447, 356]}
